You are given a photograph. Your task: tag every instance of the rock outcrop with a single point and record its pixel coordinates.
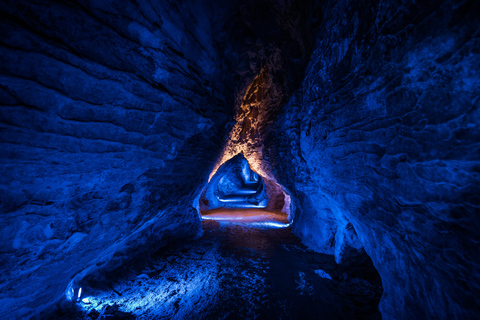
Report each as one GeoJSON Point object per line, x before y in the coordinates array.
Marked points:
{"type": "Point", "coordinates": [380, 148]}
{"type": "Point", "coordinates": [234, 185]}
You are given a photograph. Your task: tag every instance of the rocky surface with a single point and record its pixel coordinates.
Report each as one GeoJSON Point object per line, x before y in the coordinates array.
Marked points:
{"type": "Point", "coordinates": [234, 185]}
{"type": "Point", "coordinates": [112, 116]}
{"type": "Point", "coordinates": [384, 134]}
{"type": "Point", "coordinates": [235, 271]}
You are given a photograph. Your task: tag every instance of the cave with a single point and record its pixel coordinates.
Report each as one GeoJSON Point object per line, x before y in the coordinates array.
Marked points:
{"type": "Point", "coordinates": [255, 159]}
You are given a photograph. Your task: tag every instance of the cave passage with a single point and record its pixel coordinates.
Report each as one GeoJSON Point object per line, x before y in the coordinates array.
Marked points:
{"type": "Point", "coordinates": [284, 154]}
{"type": "Point", "coordinates": [237, 193]}
{"type": "Point", "coordinates": [238, 271]}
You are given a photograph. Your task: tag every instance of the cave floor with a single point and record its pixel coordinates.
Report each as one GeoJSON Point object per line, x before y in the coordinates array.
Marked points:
{"type": "Point", "coordinates": [236, 271]}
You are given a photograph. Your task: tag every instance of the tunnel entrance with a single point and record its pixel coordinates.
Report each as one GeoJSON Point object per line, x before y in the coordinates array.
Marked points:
{"type": "Point", "coordinates": [239, 194]}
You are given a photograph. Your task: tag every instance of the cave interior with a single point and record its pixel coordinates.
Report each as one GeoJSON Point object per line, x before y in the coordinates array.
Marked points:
{"type": "Point", "coordinates": [254, 159]}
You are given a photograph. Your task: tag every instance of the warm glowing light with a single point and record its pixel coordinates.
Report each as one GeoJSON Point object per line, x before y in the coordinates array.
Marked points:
{"type": "Point", "coordinates": [252, 119]}
{"type": "Point", "coordinates": [243, 137]}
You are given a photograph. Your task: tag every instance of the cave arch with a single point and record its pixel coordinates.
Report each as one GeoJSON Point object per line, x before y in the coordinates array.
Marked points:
{"type": "Point", "coordinates": [237, 188]}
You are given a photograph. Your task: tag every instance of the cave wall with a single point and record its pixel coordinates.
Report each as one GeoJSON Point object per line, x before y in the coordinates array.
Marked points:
{"type": "Point", "coordinates": [379, 148]}
{"type": "Point", "coordinates": [113, 113]}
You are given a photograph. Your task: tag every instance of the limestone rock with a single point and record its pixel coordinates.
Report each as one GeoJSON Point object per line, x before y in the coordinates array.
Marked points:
{"type": "Point", "coordinates": [234, 185]}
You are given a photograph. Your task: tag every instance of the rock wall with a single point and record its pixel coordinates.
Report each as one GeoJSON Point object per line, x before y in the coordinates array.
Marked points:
{"type": "Point", "coordinates": [278, 36]}
{"type": "Point", "coordinates": [113, 113]}
{"type": "Point", "coordinates": [380, 148]}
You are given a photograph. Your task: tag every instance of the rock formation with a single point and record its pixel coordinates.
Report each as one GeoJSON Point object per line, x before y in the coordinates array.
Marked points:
{"type": "Point", "coordinates": [361, 119]}
{"type": "Point", "coordinates": [384, 134]}
{"type": "Point", "coordinates": [234, 185]}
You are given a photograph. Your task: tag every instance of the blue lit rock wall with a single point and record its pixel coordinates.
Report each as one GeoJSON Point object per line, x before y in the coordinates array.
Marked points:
{"type": "Point", "coordinates": [382, 141]}
{"type": "Point", "coordinates": [112, 116]}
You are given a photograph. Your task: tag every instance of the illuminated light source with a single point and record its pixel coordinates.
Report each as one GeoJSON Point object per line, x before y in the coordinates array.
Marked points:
{"type": "Point", "coordinates": [249, 217]}
{"type": "Point", "coordinates": [70, 293]}
{"type": "Point", "coordinates": [271, 224]}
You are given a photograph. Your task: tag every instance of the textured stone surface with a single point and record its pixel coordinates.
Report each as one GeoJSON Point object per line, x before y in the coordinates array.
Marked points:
{"type": "Point", "coordinates": [234, 185]}
{"type": "Point", "coordinates": [285, 36]}
{"type": "Point", "coordinates": [238, 271]}
{"type": "Point", "coordinates": [112, 116]}
{"type": "Point", "coordinates": [384, 134]}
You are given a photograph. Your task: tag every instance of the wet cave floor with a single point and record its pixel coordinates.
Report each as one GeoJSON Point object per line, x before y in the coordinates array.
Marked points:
{"type": "Point", "coordinates": [240, 271]}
